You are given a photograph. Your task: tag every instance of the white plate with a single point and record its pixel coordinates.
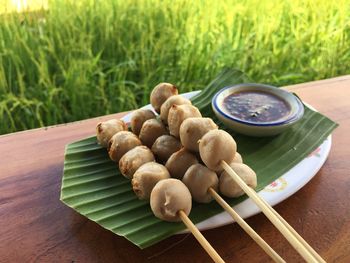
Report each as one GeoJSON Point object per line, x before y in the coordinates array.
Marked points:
{"type": "Point", "coordinates": [277, 191]}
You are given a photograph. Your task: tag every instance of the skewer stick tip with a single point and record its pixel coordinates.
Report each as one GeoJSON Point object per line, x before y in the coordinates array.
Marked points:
{"type": "Point", "coordinates": [200, 238]}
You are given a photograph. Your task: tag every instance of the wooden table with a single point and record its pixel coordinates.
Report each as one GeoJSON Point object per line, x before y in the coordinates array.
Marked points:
{"type": "Point", "coordinates": [36, 227]}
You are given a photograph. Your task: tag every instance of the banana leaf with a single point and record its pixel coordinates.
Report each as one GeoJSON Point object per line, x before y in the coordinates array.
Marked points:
{"type": "Point", "coordinates": [94, 187]}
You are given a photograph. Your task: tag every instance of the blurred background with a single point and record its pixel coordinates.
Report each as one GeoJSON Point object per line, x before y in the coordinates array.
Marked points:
{"type": "Point", "coordinates": [65, 60]}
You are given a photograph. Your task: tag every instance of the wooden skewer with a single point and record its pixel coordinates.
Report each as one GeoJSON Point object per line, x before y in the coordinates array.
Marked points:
{"type": "Point", "coordinates": [270, 215]}
{"type": "Point", "coordinates": [201, 239]}
{"type": "Point", "coordinates": [295, 233]}
{"type": "Point", "coordinates": [250, 231]}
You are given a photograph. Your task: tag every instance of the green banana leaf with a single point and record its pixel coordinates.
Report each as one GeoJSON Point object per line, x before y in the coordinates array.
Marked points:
{"type": "Point", "coordinates": [93, 186]}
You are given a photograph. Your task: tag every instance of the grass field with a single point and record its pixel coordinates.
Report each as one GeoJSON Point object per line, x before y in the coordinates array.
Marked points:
{"type": "Point", "coordinates": [86, 58]}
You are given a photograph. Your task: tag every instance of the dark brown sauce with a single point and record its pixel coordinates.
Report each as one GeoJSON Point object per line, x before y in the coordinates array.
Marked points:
{"type": "Point", "coordinates": [256, 106]}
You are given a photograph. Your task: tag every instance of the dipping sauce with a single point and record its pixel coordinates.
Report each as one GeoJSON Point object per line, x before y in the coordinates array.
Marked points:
{"type": "Point", "coordinates": [256, 106]}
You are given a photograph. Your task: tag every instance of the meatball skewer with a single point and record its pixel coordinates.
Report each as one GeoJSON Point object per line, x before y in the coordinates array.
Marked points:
{"type": "Point", "coordinates": [203, 185]}
{"type": "Point", "coordinates": [218, 161]}
{"type": "Point", "coordinates": [171, 201]}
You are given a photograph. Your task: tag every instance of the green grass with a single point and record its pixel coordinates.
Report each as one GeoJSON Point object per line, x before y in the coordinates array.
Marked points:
{"type": "Point", "coordinates": [85, 59]}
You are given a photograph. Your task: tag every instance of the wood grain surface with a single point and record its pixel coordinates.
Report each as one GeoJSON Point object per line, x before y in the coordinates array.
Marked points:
{"type": "Point", "coordinates": [36, 227]}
